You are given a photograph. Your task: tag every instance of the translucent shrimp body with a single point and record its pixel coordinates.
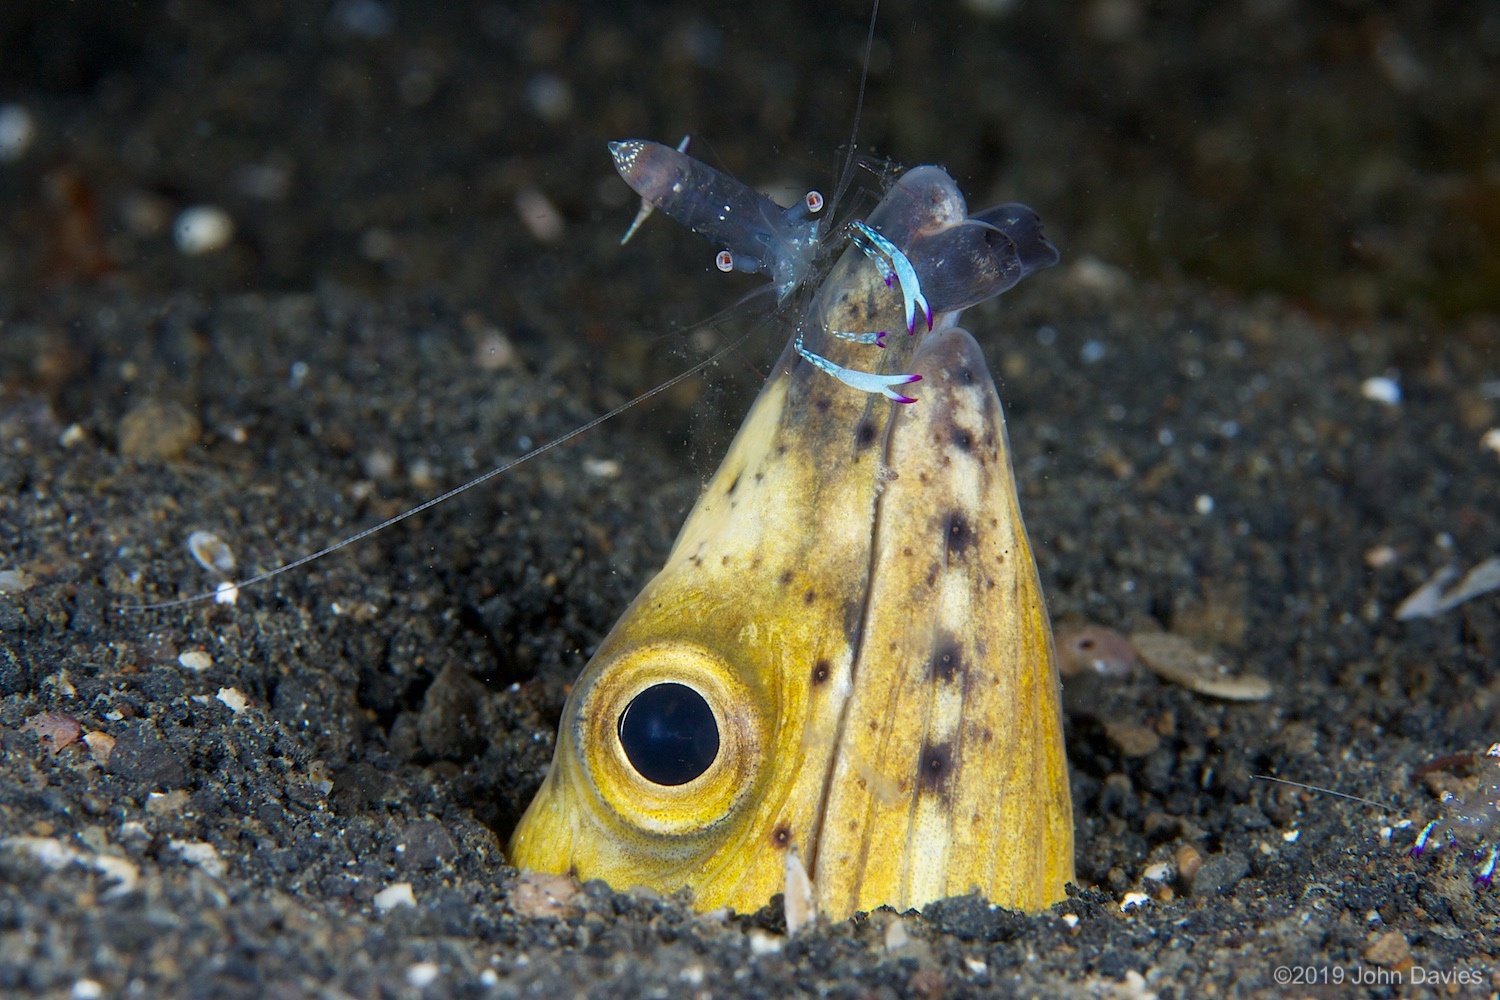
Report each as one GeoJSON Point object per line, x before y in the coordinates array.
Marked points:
{"type": "Point", "coordinates": [759, 235]}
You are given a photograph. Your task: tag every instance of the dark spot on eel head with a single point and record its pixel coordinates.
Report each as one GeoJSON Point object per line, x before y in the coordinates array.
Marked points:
{"type": "Point", "coordinates": [947, 659]}
{"type": "Point", "coordinates": [781, 837]}
{"type": "Point", "coordinates": [962, 439]}
{"type": "Point", "coordinates": [957, 534]}
{"type": "Point", "coordinates": [734, 485]}
{"type": "Point", "coordinates": [821, 670]}
{"type": "Point", "coordinates": [786, 578]}
{"type": "Point", "coordinates": [934, 767]}
{"type": "Point", "coordinates": [864, 434]}
{"type": "Point", "coordinates": [822, 403]}
{"type": "Point", "coordinates": [810, 596]}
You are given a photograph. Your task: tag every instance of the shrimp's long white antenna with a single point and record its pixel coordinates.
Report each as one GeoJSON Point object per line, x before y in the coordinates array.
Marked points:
{"type": "Point", "coordinates": [428, 504]}
{"type": "Point", "coordinates": [846, 175]}
{"type": "Point", "coordinates": [1325, 791]}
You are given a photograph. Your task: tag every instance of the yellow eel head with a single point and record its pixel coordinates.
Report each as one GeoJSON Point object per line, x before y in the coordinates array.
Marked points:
{"type": "Point", "coordinates": [847, 653]}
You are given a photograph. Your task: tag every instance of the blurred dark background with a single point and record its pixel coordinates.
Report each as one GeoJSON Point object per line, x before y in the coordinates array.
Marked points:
{"type": "Point", "coordinates": [1344, 154]}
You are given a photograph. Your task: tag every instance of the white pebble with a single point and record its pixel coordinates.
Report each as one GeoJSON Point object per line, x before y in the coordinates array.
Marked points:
{"type": "Point", "coordinates": [394, 895]}
{"type": "Point", "coordinates": [494, 351]}
{"type": "Point", "coordinates": [13, 581]}
{"type": "Point", "coordinates": [1090, 274]}
{"type": "Point", "coordinates": [1381, 389]}
{"type": "Point", "coordinates": [1159, 872]}
{"type": "Point", "coordinates": [379, 464]}
{"type": "Point", "coordinates": [200, 853]}
{"type": "Point", "coordinates": [226, 593]}
{"type": "Point", "coordinates": [1491, 440]}
{"type": "Point", "coordinates": [421, 975]}
{"type": "Point", "coordinates": [1071, 919]}
{"type": "Point", "coordinates": [1204, 504]}
{"type": "Point", "coordinates": [86, 989]}
{"type": "Point", "coordinates": [602, 468]}
{"type": "Point", "coordinates": [539, 215]}
{"type": "Point", "coordinates": [762, 943]}
{"type": "Point", "coordinates": [233, 699]}
{"type": "Point", "coordinates": [1134, 899]}
{"type": "Point", "coordinates": [202, 229]}
{"type": "Point", "coordinates": [896, 936]}
{"type": "Point", "coordinates": [196, 659]}
{"type": "Point", "coordinates": [1290, 836]}
{"type": "Point", "coordinates": [17, 130]}
{"type": "Point", "coordinates": [211, 552]}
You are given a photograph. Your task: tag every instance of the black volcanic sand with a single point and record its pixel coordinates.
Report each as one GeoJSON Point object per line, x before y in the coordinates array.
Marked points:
{"type": "Point", "coordinates": [397, 701]}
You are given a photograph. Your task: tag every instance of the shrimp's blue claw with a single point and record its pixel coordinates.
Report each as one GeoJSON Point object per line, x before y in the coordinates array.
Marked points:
{"type": "Point", "coordinates": [863, 381]}
{"type": "Point", "coordinates": [894, 264]}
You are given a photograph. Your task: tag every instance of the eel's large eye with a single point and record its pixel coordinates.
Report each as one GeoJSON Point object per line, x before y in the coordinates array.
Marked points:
{"type": "Point", "coordinates": [669, 734]}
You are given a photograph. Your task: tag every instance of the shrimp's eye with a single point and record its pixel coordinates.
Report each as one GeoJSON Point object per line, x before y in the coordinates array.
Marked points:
{"type": "Point", "coordinates": [669, 734]}
{"type": "Point", "coordinates": [725, 260]}
{"type": "Point", "coordinates": [814, 201]}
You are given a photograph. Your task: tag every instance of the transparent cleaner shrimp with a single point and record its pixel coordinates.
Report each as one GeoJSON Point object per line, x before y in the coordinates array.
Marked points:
{"type": "Point", "coordinates": [757, 234]}
{"type": "Point", "coordinates": [956, 266]}
{"type": "Point", "coordinates": [1474, 816]}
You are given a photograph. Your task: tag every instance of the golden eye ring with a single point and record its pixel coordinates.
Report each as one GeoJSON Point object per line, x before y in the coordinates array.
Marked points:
{"type": "Point", "coordinates": [705, 692]}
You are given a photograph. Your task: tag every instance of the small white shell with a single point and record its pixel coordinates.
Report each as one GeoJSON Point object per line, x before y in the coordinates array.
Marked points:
{"type": "Point", "coordinates": [1181, 662]}
{"type": "Point", "coordinates": [211, 552]}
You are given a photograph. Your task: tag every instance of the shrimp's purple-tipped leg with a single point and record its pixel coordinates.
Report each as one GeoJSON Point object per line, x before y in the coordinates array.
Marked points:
{"type": "Point", "coordinates": [898, 397]}
{"type": "Point", "coordinates": [1486, 873]}
{"type": "Point", "coordinates": [877, 338]}
{"type": "Point", "coordinates": [1421, 843]}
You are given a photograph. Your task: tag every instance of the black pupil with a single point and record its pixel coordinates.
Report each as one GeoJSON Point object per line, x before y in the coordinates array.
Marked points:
{"type": "Point", "coordinates": [669, 734]}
